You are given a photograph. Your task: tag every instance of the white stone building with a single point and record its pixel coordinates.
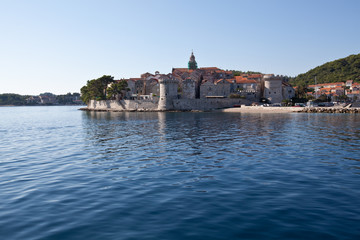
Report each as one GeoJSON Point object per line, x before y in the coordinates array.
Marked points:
{"type": "Point", "coordinates": [272, 88]}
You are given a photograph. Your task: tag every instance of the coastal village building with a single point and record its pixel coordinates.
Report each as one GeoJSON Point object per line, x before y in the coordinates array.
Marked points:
{"type": "Point", "coordinates": [337, 90]}
{"type": "Point", "coordinates": [47, 98]}
{"type": "Point", "coordinates": [288, 91]}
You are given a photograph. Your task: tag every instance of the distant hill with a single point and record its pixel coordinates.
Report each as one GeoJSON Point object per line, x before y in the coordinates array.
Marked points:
{"type": "Point", "coordinates": [12, 99]}
{"type": "Point", "coordinates": [336, 71]}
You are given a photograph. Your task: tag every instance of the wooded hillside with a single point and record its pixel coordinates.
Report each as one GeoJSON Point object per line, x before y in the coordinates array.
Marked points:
{"type": "Point", "coordinates": [336, 71]}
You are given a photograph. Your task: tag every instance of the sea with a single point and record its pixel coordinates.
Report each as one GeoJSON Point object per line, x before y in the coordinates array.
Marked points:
{"type": "Point", "coordinates": [71, 174]}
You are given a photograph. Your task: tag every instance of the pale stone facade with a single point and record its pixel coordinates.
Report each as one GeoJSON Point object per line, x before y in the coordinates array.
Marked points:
{"type": "Point", "coordinates": [152, 87]}
{"type": "Point", "coordinates": [220, 89]}
{"type": "Point", "coordinates": [177, 104]}
{"type": "Point", "coordinates": [168, 92]}
{"type": "Point", "coordinates": [206, 89]}
{"type": "Point", "coordinates": [273, 88]}
{"type": "Point", "coordinates": [288, 91]}
{"type": "Point", "coordinates": [188, 89]}
{"type": "Point", "coordinates": [131, 86]}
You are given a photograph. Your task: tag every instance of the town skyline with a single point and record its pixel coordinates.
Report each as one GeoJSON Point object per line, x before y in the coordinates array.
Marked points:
{"type": "Point", "coordinates": [57, 47]}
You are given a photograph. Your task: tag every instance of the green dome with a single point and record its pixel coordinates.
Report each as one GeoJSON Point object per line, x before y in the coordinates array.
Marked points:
{"type": "Point", "coordinates": [192, 65]}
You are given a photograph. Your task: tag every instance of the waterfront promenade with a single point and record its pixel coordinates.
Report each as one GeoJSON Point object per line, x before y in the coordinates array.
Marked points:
{"type": "Point", "coordinates": [261, 109]}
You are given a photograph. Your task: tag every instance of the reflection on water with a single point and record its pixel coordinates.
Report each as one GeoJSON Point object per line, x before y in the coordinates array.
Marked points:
{"type": "Point", "coordinates": [200, 144]}
{"type": "Point", "coordinates": [98, 175]}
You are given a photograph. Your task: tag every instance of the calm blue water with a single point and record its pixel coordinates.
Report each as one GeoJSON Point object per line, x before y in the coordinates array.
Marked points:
{"type": "Point", "coordinates": [68, 174]}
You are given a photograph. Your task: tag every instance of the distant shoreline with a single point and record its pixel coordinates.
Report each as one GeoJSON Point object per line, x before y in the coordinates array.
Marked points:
{"type": "Point", "coordinates": [43, 105]}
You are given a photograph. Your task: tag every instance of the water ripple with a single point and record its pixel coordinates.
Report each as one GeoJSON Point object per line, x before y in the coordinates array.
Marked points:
{"type": "Point", "coordinates": [66, 174]}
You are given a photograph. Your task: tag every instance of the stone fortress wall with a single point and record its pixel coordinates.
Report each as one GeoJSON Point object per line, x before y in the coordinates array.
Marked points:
{"type": "Point", "coordinates": [168, 100]}
{"type": "Point", "coordinates": [188, 89]}
{"type": "Point", "coordinates": [123, 105]}
{"type": "Point", "coordinates": [177, 104]}
{"type": "Point", "coordinates": [210, 89]}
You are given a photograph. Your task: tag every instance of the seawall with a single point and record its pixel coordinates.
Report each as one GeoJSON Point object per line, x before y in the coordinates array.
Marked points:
{"type": "Point", "coordinates": [152, 105]}
{"type": "Point", "coordinates": [122, 105]}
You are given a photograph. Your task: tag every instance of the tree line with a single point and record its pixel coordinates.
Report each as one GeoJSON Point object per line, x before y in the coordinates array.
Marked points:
{"type": "Point", "coordinates": [13, 99]}
{"type": "Point", "coordinates": [103, 88]}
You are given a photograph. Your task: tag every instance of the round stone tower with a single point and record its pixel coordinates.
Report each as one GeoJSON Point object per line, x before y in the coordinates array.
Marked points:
{"type": "Point", "coordinates": [272, 88]}
{"type": "Point", "coordinates": [168, 92]}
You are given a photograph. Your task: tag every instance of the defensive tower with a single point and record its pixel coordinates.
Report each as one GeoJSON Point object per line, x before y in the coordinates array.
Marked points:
{"type": "Point", "coordinates": [168, 92]}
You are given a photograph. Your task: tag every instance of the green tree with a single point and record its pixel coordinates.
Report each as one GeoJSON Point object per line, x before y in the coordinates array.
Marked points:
{"type": "Point", "coordinates": [323, 98]}
{"type": "Point", "coordinates": [117, 89]}
{"type": "Point", "coordinates": [343, 98]}
{"type": "Point", "coordinates": [92, 91]}
{"type": "Point", "coordinates": [68, 98]}
{"type": "Point", "coordinates": [96, 89]}
{"type": "Point", "coordinates": [13, 99]}
{"type": "Point", "coordinates": [105, 81]}
{"type": "Point", "coordinates": [301, 91]}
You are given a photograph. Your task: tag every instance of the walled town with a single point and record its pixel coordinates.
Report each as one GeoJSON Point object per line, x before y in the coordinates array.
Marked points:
{"type": "Point", "coordinates": [194, 88]}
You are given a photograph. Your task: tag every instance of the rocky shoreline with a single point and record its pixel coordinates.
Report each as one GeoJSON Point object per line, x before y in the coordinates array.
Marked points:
{"type": "Point", "coordinates": [330, 110]}
{"type": "Point", "coordinates": [259, 109]}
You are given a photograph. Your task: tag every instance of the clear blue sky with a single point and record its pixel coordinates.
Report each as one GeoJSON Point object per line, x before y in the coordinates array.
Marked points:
{"type": "Point", "coordinates": [56, 46]}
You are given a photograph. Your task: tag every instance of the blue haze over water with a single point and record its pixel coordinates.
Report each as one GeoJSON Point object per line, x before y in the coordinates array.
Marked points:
{"type": "Point", "coordinates": [68, 174]}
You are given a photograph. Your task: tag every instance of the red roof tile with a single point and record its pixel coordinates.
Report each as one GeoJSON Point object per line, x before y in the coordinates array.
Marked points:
{"type": "Point", "coordinates": [210, 68]}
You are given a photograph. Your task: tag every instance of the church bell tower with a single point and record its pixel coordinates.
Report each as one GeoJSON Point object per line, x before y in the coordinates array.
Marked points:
{"type": "Point", "coordinates": [192, 65]}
